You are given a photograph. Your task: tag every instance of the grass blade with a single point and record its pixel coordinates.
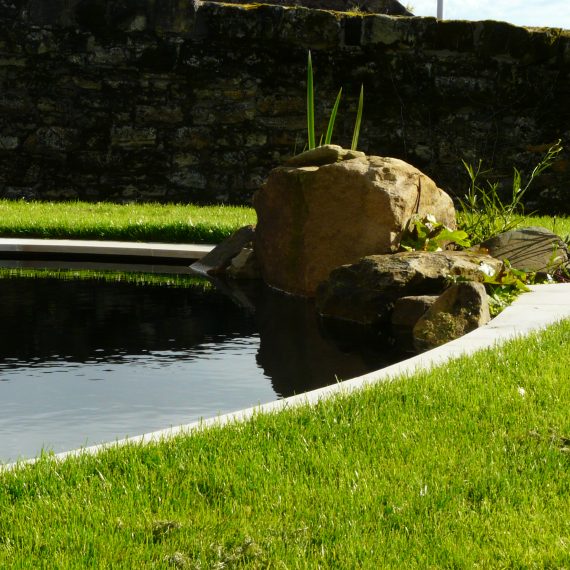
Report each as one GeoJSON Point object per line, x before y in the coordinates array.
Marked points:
{"type": "Point", "coordinates": [330, 128]}
{"type": "Point", "coordinates": [356, 133]}
{"type": "Point", "coordinates": [310, 104]}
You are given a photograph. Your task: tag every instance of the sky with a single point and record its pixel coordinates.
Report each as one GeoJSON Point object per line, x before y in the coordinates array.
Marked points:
{"type": "Point", "coordinates": [548, 13]}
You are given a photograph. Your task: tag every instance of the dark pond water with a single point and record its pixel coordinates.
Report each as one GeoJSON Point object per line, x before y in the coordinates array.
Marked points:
{"type": "Point", "coordinates": [83, 362]}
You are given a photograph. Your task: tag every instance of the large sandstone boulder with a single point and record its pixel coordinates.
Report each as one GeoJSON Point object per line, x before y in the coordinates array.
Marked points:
{"type": "Point", "coordinates": [365, 292]}
{"type": "Point", "coordinates": [327, 212]}
{"type": "Point", "coordinates": [529, 249]}
{"type": "Point", "coordinates": [461, 308]}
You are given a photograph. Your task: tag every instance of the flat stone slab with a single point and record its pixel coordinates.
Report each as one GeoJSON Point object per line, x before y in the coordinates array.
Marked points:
{"type": "Point", "coordinates": [529, 249]}
{"type": "Point", "coordinates": [95, 247]}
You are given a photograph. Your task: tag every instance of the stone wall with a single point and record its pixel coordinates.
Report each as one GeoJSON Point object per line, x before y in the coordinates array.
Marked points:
{"type": "Point", "coordinates": [174, 101]}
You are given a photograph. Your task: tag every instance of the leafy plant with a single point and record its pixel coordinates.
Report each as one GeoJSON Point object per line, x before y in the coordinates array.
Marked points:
{"type": "Point", "coordinates": [356, 133]}
{"type": "Point", "coordinates": [330, 128]}
{"type": "Point", "coordinates": [504, 286]}
{"type": "Point", "coordinates": [311, 137]}
{"type": "Point", "coordinates": [483, 213]}
{"type": "Point", "coordinates": [427, 234]}
{"type": "Point", "coordinates": [310, 104]}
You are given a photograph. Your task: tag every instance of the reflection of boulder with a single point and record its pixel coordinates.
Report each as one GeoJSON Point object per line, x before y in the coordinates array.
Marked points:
{"type": "Point", "coordinates": [314, 218]}
{"type": "Point", "coordinates": [297, 354]}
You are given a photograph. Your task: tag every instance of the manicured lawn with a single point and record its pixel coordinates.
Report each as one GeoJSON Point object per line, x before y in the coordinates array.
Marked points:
{"type": "Point", "coordinates": [464, 466]}
{"type": "Point", "coordinates": [125, 222]}
{"type": "Point", "coordinates": [170, 223]}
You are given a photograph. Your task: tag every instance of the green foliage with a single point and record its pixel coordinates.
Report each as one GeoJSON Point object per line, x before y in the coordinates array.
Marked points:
{"type": "Point", "coordinates": [310, 103]}
{"type": "Point", "coordinates": [330, 127]}
{"type": "Point", "coordinates": [504, 286]}
{"type": "Point", "coordinates": [311, 136]}
{"type": "Point", "coordinates": [461, 466]}
{"type": "Point", "coordinates": [356, 133]}
{"type": "Point", "coordinates": [483, 213]}
{"type": "Point", "coordinates": [150, 222]}
{"type": "Point", "coordinates": [427, 234]}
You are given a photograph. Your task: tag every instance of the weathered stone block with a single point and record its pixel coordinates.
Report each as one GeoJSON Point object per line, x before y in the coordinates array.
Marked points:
{"type": "Point", "coordinates": [132, 137]}
{"type": "Point", "coordinates": [8, 142]}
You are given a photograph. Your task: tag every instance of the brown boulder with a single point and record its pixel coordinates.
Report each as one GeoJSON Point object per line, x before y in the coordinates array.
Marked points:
{"type": "Point", "coordinates": [461, 308]}
{"type": "Point", "coordinates": [312, 219]}
{"type": "Point", "coordinates": [365, 292]}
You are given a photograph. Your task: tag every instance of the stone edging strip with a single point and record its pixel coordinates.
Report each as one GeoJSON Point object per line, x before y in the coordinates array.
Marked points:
{"type": "Point", "coordinates": [107, 248]}
{"type": "Point", "coordinates": [543, 306]}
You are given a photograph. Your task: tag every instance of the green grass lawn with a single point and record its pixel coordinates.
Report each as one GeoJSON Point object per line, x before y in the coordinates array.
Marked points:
{"type": "Point", "coordinates": [173, 223]}
{"type": "Point", "coordinates": [464, 466]}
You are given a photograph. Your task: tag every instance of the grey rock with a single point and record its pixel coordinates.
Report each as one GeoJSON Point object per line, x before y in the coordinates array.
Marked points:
{"type": "Point", "coordinates": [366, 292]}
{"type": "Point", "coordinates": [461, 308]}
{"type": "Point", "coordinates": [529, 249]}
{"type": "Point", "coordinates": [218, 260]}
{"type": "Point", "coordinates": [326, 154]}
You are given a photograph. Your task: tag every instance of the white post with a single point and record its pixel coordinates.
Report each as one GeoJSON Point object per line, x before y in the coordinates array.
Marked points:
{"type": "Point", "coordinates": [440, 9]}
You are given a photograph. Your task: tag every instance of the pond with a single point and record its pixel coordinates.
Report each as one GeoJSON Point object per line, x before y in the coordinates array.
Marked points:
{"type": "Point", "coordinates": [89, 361]}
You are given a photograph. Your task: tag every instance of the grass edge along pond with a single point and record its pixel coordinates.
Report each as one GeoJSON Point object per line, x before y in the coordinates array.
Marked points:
{"type": "Point", "coordinates": [463, 465]}
{"type": "Point", "coordinates": [150, 222]}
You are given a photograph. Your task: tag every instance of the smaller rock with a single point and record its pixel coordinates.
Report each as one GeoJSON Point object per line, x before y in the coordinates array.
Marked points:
{"type": "Point", "coordinates": [217, 261]}
{"type": "Point", "coordinates": [461, 308]}
{"type": "Point", "coordinates": [529, 249]}
{"type": "Point", "coordinates": [408, 310]}
{"type": "Point", "coordinates": [326, 154]}
{"type": "Point", "coordinates": [244, 265]}
{"type": "Point", "coordinates": [365, 292]}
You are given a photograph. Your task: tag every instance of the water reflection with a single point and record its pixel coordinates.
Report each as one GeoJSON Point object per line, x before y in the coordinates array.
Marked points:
{"type": "Point", "coordinates": [299, 354]}
{"type": "Point", "coordinates": [46, 320]}
{"type": "Point", "coordinates": [88, 361]}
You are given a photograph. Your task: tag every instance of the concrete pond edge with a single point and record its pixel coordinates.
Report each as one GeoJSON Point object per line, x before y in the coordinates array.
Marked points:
{"type": "Point", "coordinates": [544, 305]}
